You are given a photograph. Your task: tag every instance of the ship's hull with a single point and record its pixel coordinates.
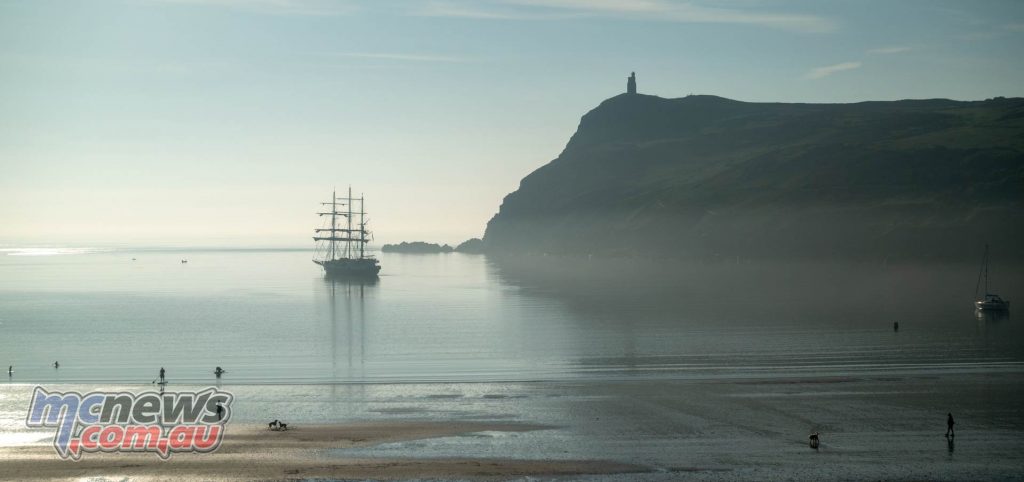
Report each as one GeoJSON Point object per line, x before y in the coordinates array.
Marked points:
{"type": "Point", "coordinates": [989, 305]}
{"type": "Point", "coordinates": [355, 268]}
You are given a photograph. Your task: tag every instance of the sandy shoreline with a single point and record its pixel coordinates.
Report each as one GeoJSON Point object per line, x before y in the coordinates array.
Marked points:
{"type": "Point", "coordinates": [249, 453]}
{"type": "Point", "coordinates": [885, 427]}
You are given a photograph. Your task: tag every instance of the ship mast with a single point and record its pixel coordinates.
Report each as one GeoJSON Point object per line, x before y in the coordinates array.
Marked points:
{"type": "Point", "coordinates": [334, 217]}
{"type": "Point", "coordinates": [348, 242]}
{"type": "Point", "coordinates": [362, 225]}
{"type": "Point", "coordinates": [331, 248]}
{"type": "Point", "coordinates": [353, 231]}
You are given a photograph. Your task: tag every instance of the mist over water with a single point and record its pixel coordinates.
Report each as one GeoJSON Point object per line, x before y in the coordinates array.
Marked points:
{"type": "Point", "coordinates": [271, 317]}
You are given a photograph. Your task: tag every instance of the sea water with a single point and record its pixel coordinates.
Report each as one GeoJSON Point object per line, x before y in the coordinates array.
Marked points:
{"type": "Point", "coordinates": [717, 368]}
{"type": "Point", "coordinates": [270, 317]}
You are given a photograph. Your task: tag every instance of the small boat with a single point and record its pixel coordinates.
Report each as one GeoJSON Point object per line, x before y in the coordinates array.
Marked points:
{"type": "Point", "coordinates": [342, 252]}
{"type": "Point", "coordinates": [991, 301]}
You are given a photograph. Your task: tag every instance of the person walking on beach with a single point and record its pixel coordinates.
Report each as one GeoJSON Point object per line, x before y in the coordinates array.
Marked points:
{"type": "Point", "coordinates": [220, 412]}
{"type": "Point", "coordinates": [56, 365]}
{"type": "Point", "coordinates": [10, 370]}
{"type": "Point", "coordinates": [162, 375]}
{"type": "Point", "coordinates": [949, 425]}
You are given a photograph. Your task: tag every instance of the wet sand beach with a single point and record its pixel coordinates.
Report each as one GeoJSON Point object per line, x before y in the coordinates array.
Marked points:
{"type": "Point", "coordinates": [876, 427]}
{"type": "Point", "coordinates": [252, 453]}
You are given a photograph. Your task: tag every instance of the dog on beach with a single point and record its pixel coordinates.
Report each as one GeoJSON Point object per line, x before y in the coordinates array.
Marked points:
{"type": "Point", "coordinates": [813, 439]}
{"type": "Point", "coordinates": [273, 425]}
{"type": "Point", "coordinates": [282, 426]}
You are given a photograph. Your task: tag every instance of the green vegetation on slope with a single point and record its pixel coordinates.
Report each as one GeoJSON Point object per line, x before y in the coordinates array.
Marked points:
{"type": "Point", "coordinates": [705, 176]}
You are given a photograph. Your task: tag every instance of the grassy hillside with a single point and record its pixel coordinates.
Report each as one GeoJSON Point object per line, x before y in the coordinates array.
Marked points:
{"type": "Point", "coordinates": [705, 176]}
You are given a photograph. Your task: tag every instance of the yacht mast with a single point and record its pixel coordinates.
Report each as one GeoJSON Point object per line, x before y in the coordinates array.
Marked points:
{"type": "Point", "coordinates": [982, 274]}
{"type": "Point", "coordinates": [986, 270]}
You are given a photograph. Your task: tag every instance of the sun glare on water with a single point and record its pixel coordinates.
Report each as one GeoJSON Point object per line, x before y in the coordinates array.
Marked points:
{"type": "Point", "coordinates": [47, 251]}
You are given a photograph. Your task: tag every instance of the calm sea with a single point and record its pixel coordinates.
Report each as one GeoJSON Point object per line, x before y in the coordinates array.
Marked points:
{"type": "Point", "coordinates": [269, 316]}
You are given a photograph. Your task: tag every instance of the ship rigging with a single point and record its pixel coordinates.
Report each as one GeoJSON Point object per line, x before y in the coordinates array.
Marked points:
{"type": "Point", "coordinates": [341, 243]}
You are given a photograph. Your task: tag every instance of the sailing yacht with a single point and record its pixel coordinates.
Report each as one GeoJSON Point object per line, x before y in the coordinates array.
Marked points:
{"type": "Point", "coordinates": [342, 251]}
{"type": "Point", "coordinates": [990, 302]}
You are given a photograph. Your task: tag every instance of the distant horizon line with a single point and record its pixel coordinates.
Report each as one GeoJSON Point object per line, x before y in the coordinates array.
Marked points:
{"type": "Point", "coordinates": [94, 248]}
{"type": "Point", "coordinates": [51, 249]}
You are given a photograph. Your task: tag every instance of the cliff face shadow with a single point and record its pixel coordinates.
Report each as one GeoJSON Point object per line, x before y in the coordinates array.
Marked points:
{"type": "Point", "coordinates": [759, 293]}
{"type": "Point", "coordinates": [654, 316]}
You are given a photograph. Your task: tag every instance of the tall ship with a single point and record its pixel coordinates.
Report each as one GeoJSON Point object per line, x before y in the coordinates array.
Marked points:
{"type": "Point", "coordinates": [341, 242]}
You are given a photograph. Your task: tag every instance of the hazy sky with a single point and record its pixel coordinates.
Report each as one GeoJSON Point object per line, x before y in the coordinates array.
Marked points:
{"type": "Point", "coordinates": [224, 122]}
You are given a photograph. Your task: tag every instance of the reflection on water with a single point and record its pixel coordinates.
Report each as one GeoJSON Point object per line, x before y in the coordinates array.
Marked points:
{"type": "Point", "coordinates": [347, 296]}
{"type": "Point", "coordinates": [991, 316]}
{"type": "Point", "coordinates": [271, 317]}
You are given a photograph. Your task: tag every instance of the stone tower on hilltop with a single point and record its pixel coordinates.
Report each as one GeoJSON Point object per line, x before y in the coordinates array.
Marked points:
{"type": "Point", "coordinates": [631, 83]}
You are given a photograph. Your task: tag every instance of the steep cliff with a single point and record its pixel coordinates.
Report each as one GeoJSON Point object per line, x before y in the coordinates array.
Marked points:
{"type": "Point", "coordinates": [704, 176]}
